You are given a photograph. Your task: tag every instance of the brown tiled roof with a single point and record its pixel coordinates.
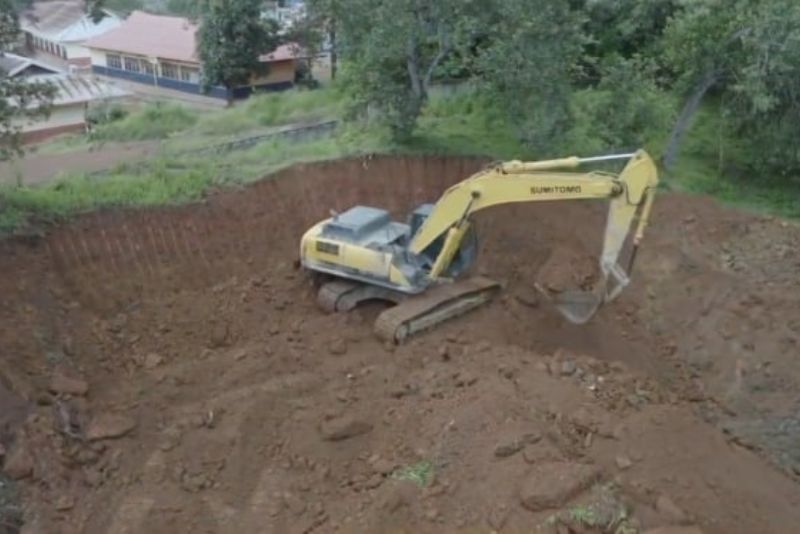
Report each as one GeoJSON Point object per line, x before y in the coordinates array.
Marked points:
{"type": "Point", "coordinates": [152, 36]}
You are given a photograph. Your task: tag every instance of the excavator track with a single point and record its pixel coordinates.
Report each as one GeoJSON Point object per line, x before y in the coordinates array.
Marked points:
{"type": "Point", "coordinates": [436, 305]}
{"type": "Point", "coordinates": [331, 292]}
{"type": "Point", "coordinates": [345, 295]}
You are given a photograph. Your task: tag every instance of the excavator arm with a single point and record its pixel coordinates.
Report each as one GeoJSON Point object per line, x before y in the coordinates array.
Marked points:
{"type": "Point", "coordinates": [630, 194]}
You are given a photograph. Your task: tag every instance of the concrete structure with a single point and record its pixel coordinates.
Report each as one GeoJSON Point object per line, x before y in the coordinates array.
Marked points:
{"type": "Point", "coordinates": [162, 51]}
{"type": "Point", "coordinates": [58, 29]}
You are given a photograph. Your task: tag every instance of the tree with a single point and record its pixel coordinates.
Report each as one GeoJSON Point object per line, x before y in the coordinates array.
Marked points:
{"type": "Point", "coordinates": [391, 59]}
{"type": "Point", "coordinates": [527, 63]}
{"type": "Point", "coordinates": [321, 24]}
{"type": "Point", "coordinates": [231, 38]}
{"type": "Point", "coordinates": [20, 99]}
{"type": "Point", "coordinates": [748, 51]}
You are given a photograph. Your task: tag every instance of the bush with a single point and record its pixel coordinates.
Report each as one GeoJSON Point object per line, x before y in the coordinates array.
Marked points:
{"type": "Point", "coordinates": [105, 113]}
{"type": "Point", "coordinates": [155, 121]}
{"type": "Point", "coordinates": [625, 111]}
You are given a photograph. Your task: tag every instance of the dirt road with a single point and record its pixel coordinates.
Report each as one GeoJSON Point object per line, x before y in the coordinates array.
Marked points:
{"type": "Point", "coordinates": [179, 377]}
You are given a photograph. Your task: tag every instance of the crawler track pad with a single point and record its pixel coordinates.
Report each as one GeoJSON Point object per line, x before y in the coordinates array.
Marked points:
{"type": "Point", "coordinates": [437, 305]}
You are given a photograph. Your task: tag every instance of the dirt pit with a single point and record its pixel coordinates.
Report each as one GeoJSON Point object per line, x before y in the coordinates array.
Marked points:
{"type": "Point", "coordinates": [168, 371]}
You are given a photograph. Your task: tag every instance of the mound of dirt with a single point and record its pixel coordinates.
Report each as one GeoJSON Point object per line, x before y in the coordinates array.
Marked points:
{"type": "Point", "coordinates": [568, 269]}
{"type": "Point", "coordinates": [174, 374]}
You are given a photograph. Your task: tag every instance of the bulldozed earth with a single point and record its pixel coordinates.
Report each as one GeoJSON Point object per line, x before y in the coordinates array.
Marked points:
{"type": "Point", "coordinates": [167, 370]}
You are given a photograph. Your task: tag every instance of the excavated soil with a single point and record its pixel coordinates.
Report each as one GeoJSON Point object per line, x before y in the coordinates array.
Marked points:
{"type": "Point", "coordinates": [168, 371]}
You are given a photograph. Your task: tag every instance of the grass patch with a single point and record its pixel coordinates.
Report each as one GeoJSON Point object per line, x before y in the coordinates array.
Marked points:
{"type": "Point", "coordinates": [465, 124]}
{"type": "Point", "coordinates": [163, 183]}
{"type": "Point", "coordinates": [272, 109]}
{"type": "Point", "coordinates": [154, 121]}
{"type": "Point", "coordinates": [603, 512]}
{"type": "Point", "coordinates": [421, 473]}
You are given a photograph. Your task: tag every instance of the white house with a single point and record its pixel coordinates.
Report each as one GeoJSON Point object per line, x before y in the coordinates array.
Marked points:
{"type": "Point", "coordinates": [285, 12]}
{"type": "Point", "coordinates": [73, 96]}
{"type": "Point", "coordinates": [57, 30]}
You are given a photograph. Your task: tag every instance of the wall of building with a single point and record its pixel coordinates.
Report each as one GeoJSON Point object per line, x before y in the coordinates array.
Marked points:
{"type": "Point", "coordinates": [280, 77]}
{"type": "Point", "coordinates": [76, 50]}
{"type": "Point", "coordinates": [62, 119]}
{"type": "Point", "coordinates": [280, 72]}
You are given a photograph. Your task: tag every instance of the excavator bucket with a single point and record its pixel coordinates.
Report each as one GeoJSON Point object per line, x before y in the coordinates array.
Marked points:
{"type": "Point", "coordinates": [578, 307]}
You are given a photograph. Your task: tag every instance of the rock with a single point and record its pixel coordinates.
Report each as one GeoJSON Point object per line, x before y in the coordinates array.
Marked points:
{"type": "Point", "coordinates": [64, 503]}
{"type": "Point", "coordinates": [342, 428]}
{"type": "Point", "coordinates": [18, 464]}
{"type": "Point", "coordinates": [338, 347]}
{"type": "Point", "coordinates": [568, 368]}
{"type": "Point", "coordinates": [465, 380]}
{"type": "Point", "coordinates": [152, 360]}
{"type": "Point", "coordinates": [510, 448]}
{"type": "Point", "coordinates": [382, 466]}
{"type": "Point", "coordinates": [67, 385]}
{"type": "Point", "coordinates": [109, 426]}
{"type": "Point", "coordinates": [444, 353]}
{"type": "Point", "coordinates": [497, 517]}
{"type": "Point", "coordinates": [220, 336]}
{"type": "Point", "coordinates": [550, 485]}
{"type": "Point", "coordinates": [674, 530]}
{"type": "Point", "coordinates": [623, 462]}
{"type": "Point", "coordinates": [667, 508]}
{"type": "Point", "coordinates": [294, 504]}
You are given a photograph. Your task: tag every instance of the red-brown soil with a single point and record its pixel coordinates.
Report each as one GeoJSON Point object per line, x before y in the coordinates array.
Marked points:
{"type": "Point", "coordinates": [168, 371]}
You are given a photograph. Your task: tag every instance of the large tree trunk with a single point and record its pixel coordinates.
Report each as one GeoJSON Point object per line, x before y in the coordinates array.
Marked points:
{"type": "Point", "coordinates": [334, 59]}
{"type": "Point", "coordinates": [685, 118]}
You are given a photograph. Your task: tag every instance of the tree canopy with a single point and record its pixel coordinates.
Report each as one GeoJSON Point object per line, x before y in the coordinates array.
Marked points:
{"type": "Point", "coordinates": [631, 69]}
{"type": "Point", "coordinates": [231, 38]}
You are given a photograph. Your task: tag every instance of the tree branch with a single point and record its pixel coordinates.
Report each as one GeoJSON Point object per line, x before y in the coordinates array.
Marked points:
{"type": "Point", "coordinates": [706, 82]}
{"type": "Point", "coordinates": [444, 49]}
{"type": "Point", "coordinates": [412, 63]}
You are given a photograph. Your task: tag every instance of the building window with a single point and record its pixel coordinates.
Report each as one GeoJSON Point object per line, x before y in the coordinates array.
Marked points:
{"type": "Point", "coordinates": [147, 67]}
{"type": "Point", "coordinates": [186, 74]}
{"type": "Point", "coordinates": [64, 52]}
{"type": "Point", "coordinates": [132, 64]}
{"type": "Point", "coordinates": [169, 70]}
{"type": "Point", "coordinates": [113, 61]}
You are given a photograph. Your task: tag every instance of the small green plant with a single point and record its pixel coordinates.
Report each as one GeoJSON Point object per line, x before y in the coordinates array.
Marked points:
{"type": "Point", "coordinates": [420, 473]}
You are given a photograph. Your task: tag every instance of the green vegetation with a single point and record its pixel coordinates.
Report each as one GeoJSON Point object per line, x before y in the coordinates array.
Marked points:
{"type": "Point", "coordinates": [465, 123]}
{"type": "Point", "coordinates": [155, 121]}
{"type": "Point", "coordinates": [272, 109]}
{"type": "Point", "coordinates": [231, 38]}
{"type": "Point", "coordinates": [420, 473]}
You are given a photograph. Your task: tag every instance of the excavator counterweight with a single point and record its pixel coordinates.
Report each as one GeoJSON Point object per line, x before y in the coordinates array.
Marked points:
{"type": "Point", "coordinates": [418, 265]}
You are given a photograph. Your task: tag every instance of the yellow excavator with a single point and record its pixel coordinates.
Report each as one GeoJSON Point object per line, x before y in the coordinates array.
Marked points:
{"type": "Point", "coordinates": [418, 265]}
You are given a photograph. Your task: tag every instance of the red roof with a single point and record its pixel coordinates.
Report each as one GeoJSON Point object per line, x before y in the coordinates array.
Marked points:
{"type": "Point", "coordinates": [149, 35]}
{"type": "Point", "coordinates": [283, 53]}
{"type": "Point", "coordinates": [159, 36]}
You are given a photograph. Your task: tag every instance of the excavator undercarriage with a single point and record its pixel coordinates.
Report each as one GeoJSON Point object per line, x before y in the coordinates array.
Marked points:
{"type": "Point", "coordinates": [411, 314]}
